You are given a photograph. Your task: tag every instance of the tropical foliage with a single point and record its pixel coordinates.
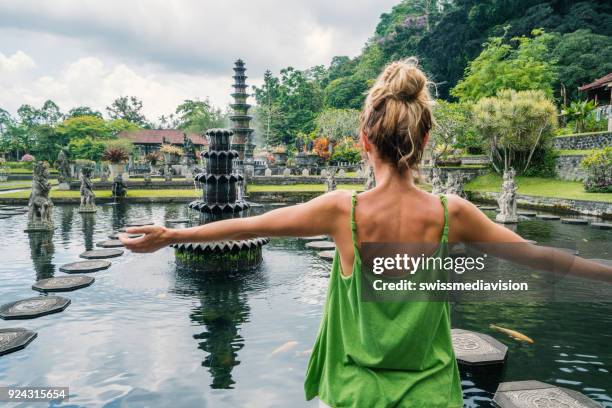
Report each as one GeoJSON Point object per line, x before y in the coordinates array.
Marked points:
{"type": "Point", "coordinates": [598, 167]}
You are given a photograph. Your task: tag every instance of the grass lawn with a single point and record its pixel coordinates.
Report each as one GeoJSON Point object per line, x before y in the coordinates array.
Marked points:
{"type": "Point", "coordinates": [539, 186]}
{"type": "Point", "coordinates": [576, 152]}
{"type": "Point", "coordinates": [21, 184]}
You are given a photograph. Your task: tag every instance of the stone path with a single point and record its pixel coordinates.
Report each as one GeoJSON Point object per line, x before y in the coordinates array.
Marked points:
{"type": "Point", "coordinates": [601, 225]}
{"type": "Point", "coordinates": [473, 348]}
{"type": "Point", "coordinates": [536, 394]}
{"type": "Point", "coordinates": [327, 255]}
{"type": "Point", "coordinates": [85, 266]}
{"type": "Point", "coordinates": [320, 245]}
{"type": "Point", "coordinates": [33, 307]}
{"type": "Point", "coordinates": [101, 253]}
{"type": "Point", "coordinates": [314, 238]}
{"type": "Point", "coordinates": [110, 243]}
{"type": "Point", "coordinates": [574, 221]}
{"type": "Point", "coordinates": [547, 217]}
{"type": "Point", "coordinates": [14, 339]}
{"type": "Point", "coordinates": [63, 283]}
{"type": "Point", "coordinates": [115, 235]}
{"type": "Point", "coordinates": [527, 213]}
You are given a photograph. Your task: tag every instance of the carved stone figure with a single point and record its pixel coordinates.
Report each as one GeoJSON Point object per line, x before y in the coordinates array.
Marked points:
{"type": "Point", "coordinates": [370, 182]}
{"type": "Point", "coordinates": [104, 174]}
{"type": "Point", "coordinates": [437, 187]}
{"type": "Point", "coordinates": [40, 205]}
{"type": "Point", "coordinates": [188, 151]}
{"type": "Point", "coordinates": [63, 170]}
{"type": "Point", "coordinates": [309, 146]}
{"type": "Point", "coordinates": [330, 181]}
{"type": "Point", "coordinates": [299, 144]}
{"type": "Point", "coordinates": [507, 199]}
{"type": "Point", "coordinates": [454, 184]}
{"type": "Point", "coordinates": [119, 187]}
{"type": "Point", "coordinates": [88, 198]}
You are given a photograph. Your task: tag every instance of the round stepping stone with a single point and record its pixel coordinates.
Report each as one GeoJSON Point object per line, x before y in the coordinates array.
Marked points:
{"type": "Point", "coordinates": [601, 225]}
{"type": "Point", "coordinates": [110, 243]}
{"type": "Point", "coordinates": [546, 217]}
{"type": "Point", "coordinates": [63, 283]}
{"type": "Point", "coordinates": [473, 348]}
{"type": "Point", "coordinates": [85, 266]}
{"type": "Point", "coordinates": [532, 394]}
{"type": "Point", "coordinates": [115, 235]}
{"type": "Point", "coordinates": [178, 221]}
{"type": "Point", "coordinates": [457, 249]}
{"type": "Point", "coordinates": [14, 339]}
{"type": "Point", "coordinates": [139, 223]}
{"type": "Point", "coordinates": [321, 245]}
{"type": "Point", "coordinates": [328, 255]}
{"type": "Point", "coordinates": [488, 208]}
{"type": "Point", "coordinates": [4, 216]}
{"type": "Point", "coordinates": [101, 253]}
{"type": "Point", "coordinates": [314, 238]}
{"type": "Point", "coordinates": [527, 213]}
{"type": "Point", "coordinates": [574, 221]}
{"type": "Point", "coordinates": [33, 307]}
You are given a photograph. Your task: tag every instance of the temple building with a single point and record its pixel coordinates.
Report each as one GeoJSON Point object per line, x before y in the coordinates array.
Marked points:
{"type": "Point", "coordinates": [600, 91]}
{"type": "Point", "coordinates": [149, 140]}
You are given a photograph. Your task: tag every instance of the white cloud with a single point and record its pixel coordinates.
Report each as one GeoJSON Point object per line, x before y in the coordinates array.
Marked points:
{"type": "Point", "coordinates": [89, 52]}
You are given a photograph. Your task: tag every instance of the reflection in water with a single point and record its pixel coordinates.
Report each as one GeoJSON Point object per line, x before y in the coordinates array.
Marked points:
{"type": "Point", "coordinates": [41, 252]}
{"type": "Point", "coordinates": [88, 224]}
{"type": "Point", "coordinates": [119, 214]}
{"type": "Point", "coordinates": [67, 213]}
{"type": "Point", "coordinates": [223, 308]}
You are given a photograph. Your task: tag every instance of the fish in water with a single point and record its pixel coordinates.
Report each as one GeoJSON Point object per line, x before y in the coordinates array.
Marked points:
{"type": "Point", "coordinates": [512, 333]}
{"type": "Point", "coordinates": [285, 347]}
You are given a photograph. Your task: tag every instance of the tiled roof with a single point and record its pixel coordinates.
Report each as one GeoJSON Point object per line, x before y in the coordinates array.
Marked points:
{"type": "Point", "coordinates": [597, 83]}
{"type": "Point", "coordinates": [155, 136]}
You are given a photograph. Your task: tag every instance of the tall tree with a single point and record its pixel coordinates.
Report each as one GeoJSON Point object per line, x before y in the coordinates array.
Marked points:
{"type": "Point", "coordinates": [83, 111]}
{"type": "Point", "coordinates": [198, 116]}
{"type": "Point", "coordinates": [128, 108]}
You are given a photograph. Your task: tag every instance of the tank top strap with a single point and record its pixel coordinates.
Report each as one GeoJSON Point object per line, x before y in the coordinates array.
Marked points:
{"type": "Point", "coordinates": [353, 223]}
{"type": "Point", "coordinates": [444, 202]}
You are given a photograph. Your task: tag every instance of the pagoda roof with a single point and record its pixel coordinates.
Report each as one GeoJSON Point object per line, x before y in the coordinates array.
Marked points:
{"type": "Point", "coordinates": [603, 82]}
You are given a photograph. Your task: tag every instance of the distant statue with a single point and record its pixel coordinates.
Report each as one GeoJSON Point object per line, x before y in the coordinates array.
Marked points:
{"type": "Point", "coordinates": [299, 145]}
{"type": "Point", "coordinates": [330, 181]}
{"type": "Point", "coordinates": [104, 174]}
{"type": "Point", "coordinates": [370, 182]}
{"type": "Point", "coordinates": [188, 150]}
{"type": "Point", "coordinates": [437, 187]}
{"type": "Point", "coordinates": [119, 188]}
{"type": "Point", "coordinates": [454, 184]}
{"type": "Point", "coordinates": [309, 146]}
{"type": "Point", "coordinates": [507, 199]}
{"type": "Point", "coordinates": [63, 169]}
{"type": "Point", "coordinates": [40, 205]}
{"type": "Point", "coordinates": [88, 198]}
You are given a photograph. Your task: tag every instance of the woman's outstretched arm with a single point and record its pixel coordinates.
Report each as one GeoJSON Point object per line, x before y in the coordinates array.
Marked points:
{"type": "Point", "coordinates": [317, 216]}
{"type": "Point", "coordinates": [474, 228]}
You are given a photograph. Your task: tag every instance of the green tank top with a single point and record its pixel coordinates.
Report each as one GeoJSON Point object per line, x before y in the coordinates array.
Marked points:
{"type": "Point", "coordinates": [382, 354]}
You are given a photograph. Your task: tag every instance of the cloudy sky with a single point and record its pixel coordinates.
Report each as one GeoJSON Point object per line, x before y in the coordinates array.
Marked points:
{"type": "Point", "coordinates": [88, 52]}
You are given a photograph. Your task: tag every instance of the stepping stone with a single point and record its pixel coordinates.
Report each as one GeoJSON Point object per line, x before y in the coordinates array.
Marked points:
{"type": "Point", "coordinates": [574, 221]}
{"type": "Point", "coordinates": [327, 255]}
{"type": "Point", "coordinates": [15, 339]}
{"type": "Point", "coordinates": [178, 221]}
{"type": "Point", "coordinates": [63, 283]}
{"type": "Point", "coordinates": [607, 262]}
{"type": "Point", "coordinates": [110, 243]}
{"type": "Point", "coordinates": [314, 238]}
{"type": "Point", "coordinates": [101, 253]}
{"type": "Point", "coordinates": [473, 348]}
{"type": "Point", "coordinates": [531, 241]}
{"type": "Point", "coordinates": [546, 217]}
{"type": "Point", "coordinates": [531, 394]}
{"type": "Point", "coordinates": [487, 208]}
{"type": "Point", "coordinates": [85, 266]}
{"type": "Point", "coordinates": [457, 249]}
{"type": "Point", "coordinates": [527, 213]}
{"type": "Point", "coordinates": [115, 235]}
{"type": "Point", "coordinates": [139, 223]}
{"type": "Point", "coordinates": [321, 245]}
{"type": "Point", "coordinates": [4, 216]}
{"type": "Point", "coordinates": [33, 307]}
{"type": "Point", "coordinates": [601, 225]}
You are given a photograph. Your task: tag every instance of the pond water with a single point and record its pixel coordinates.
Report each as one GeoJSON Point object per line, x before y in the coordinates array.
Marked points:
{"type": "Point", "coordinates": [147, 333]}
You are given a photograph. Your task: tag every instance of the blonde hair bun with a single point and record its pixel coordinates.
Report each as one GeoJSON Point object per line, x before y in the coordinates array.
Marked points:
{"type": "Point", "coordinates": [403, 80]}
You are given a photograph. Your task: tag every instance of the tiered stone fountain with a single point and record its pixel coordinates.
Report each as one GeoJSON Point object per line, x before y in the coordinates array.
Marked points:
{"type": "Point", "coordinates": [222, 199]}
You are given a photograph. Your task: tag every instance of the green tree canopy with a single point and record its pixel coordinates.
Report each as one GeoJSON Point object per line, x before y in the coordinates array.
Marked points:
{"type": "Point", "coordinates": [128, 108]}
{"type": "Point", "coordinates": [197, 116]}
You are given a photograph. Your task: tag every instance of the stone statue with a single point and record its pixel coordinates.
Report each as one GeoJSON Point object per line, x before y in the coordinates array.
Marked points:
{"type": "Point", "coordinates": [437, 187]}
{"type": "Point", "coordinates": [188, 150]}
{"type": "Point", "coordinates": [40, 205]}
{"type": "Point", "coordinates": [63, 170]}
{"type": "Point", "coordinates": [330, 181]}
{"type": "Point", "coordinates": [370, 182]}
{"type": "Point", "coordinates": [119, 188]}
{"type": "Point", "coordinates": [299, 145]}
{"type": "Point", "coordinates": [104, 174]}
{"type": "Point", "coordinates": [507, 199]}
{"type": "Point", "coordinates": [88, 198]}
{"type": "Point", "coordinates": [454, 184]}
{"type": "Point", "coordinates": [309, 146]}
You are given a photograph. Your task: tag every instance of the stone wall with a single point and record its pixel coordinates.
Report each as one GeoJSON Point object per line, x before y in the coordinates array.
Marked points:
{"type": "Point", "coordinates": [291, 180]}
{"type": "Point", "coordinates": [584, 141]}
{"type": "Point", "coordinates": [568, 168]}
{"type": "Point", "coordinates": [553, 204]}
